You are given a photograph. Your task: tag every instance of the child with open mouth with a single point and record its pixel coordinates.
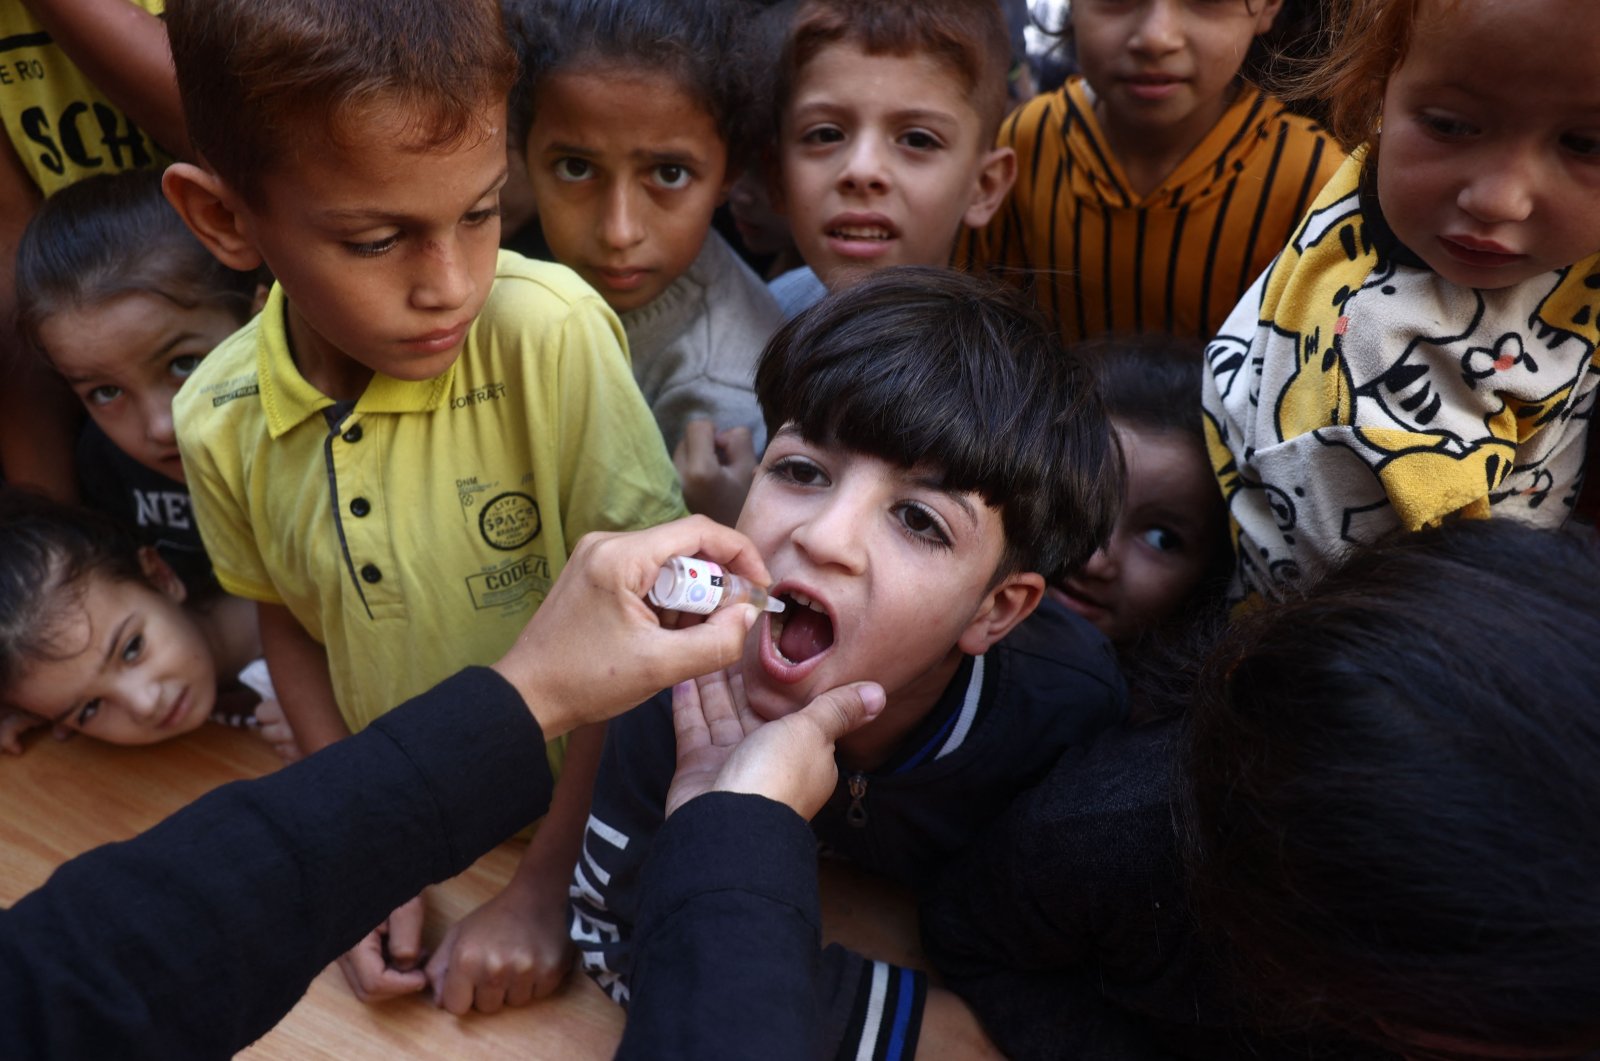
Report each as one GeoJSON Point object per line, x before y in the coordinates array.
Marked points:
{"type": "Point", "coordinates": [926, 433]}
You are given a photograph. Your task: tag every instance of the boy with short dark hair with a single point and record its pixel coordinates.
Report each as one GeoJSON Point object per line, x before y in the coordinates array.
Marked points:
{"type": "Point", "coordinates": [397, 455]}
{"type": "Point", "coordinates": [887, 114]}
{"type": "Point", "coordinates": [933, 456]}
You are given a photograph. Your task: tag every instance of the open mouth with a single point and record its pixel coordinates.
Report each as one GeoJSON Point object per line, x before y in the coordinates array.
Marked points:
{"type": "Point", "coordinates": [861, 233]}
{"type": "Point", "coordinates": [802, 631]}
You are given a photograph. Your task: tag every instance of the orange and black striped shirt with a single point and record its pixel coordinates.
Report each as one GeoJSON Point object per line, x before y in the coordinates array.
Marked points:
{"type": "Point", "coordinates": [1175, 260]}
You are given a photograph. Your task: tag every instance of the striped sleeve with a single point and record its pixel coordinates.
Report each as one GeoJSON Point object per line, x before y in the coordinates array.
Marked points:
{"type": "Point", "coordinates": [1176, 258]}
{"type": "Point", "coordinates": [885, 1013]}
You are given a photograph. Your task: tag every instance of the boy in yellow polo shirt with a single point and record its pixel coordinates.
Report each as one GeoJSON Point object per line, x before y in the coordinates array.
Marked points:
{"type": "Point", "coordinates": [396, 457]}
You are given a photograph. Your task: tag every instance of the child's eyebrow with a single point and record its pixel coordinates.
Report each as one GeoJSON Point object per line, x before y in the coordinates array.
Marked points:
{"type": "Point", "coordinates": [935, 483]}
{"type": "Point", "coordinates": [361, 213]}
{"type": "Point", "coordinates": [166, 347]}
{"type": "Point", "coordinates": [115, 639]}
{"type": "Point", "coordinates": [111, 648]}
{"type": "Point", "coordinates": [683, 157]}
{"type": "Point", "coordinates": [806, 108]}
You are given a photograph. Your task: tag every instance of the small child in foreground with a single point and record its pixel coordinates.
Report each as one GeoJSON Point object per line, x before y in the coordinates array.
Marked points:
{"type": "Point", "coordinates": [927, 432]}
{"type": "Point", "coordinates": [395, 457]}
{"type": "Point", "coordinates": [1425, 346]}
{"type": "Point", "coordinates": [97, 635]}
{"type": "Point", "coordinates": [1155, 186]}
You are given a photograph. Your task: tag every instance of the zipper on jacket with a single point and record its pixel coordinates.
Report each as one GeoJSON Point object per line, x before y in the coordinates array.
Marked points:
{"type": "Point", "coordinates": [857, 814]}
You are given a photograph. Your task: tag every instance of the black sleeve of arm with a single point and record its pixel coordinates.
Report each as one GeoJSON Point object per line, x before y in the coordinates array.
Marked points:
{"type": "Point", "coordinates": [194, 938]}
{"type": "Point", "coordinates": [728, 935]}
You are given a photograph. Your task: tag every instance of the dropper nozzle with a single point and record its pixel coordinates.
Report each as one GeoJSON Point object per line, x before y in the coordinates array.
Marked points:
{"type": "Point", "coordinates": [773, 604]}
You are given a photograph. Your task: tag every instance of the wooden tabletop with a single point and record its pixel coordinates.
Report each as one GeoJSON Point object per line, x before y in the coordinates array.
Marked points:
{"type": "Point", "coordinates": [62, 798]}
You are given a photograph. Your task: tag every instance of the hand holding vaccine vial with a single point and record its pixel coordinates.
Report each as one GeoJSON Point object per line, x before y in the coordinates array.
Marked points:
{"type": "Point", "coordinates": [701, 587]}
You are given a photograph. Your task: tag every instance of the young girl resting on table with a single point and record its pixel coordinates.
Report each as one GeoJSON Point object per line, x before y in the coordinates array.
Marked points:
{"type": "Point", "coordinates": [95, 637]}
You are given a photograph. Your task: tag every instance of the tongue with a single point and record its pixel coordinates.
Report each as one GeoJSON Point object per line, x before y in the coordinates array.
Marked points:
{"type": "Point", "coordinates": [806, 632]}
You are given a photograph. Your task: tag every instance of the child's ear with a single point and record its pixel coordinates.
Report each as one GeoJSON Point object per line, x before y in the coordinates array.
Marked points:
{"type": "Point", "coordinates": [160, 575]}
{"type": "Point", "coordinates": [1007, 604]}
{"type": "Point", "coordinates": [212, 212]}
{"type": "Point", "coordinates": [997, 172]}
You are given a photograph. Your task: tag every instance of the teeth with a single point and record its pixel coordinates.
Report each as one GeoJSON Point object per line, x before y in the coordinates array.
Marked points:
{"type": "Point", "coordinates": [803, 601]}
{"type": "Point", "coordinates": [874, 232]}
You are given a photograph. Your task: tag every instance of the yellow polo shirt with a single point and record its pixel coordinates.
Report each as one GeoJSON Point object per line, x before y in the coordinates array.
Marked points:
{"type": "Point", "coordinates": [61, 126]}
{"type": "Point", "coordinates": [416, 534]}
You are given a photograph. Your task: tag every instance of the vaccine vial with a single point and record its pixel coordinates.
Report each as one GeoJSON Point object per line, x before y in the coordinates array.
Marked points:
{"type": "Point", "coordinates": [701, 587]}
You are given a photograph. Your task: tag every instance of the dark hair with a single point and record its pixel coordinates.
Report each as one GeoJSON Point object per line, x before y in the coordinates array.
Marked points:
{"type": "Point", "coordinates": [930, 366]}
{"type": "Point", "coordinates": [256, 76]}
{"type": "Point", "coordinates": [114, 234]}
{"type": "Point", "coordinates": [46, 549]}
{"type": "Point", "coordinates": [700, 43]}
{"type": "Point", "coordinates": [1394, 785]}
{"type": "Point", "coordinates": [967, 36]}
{"type": "Point", "coordinates": [1151, 379]}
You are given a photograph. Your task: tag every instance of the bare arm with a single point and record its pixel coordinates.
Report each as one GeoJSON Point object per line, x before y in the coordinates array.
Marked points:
{"type": "Point", "coordinates": [123, 50]}
{"type": "Point", "coordinates": [299, 667]}
{"type": "Point", "coordinates": [39, 416]}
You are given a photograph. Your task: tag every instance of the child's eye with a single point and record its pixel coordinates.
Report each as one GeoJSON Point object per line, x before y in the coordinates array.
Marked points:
{"type": "Point", "coordinates": [184, 365]}
{"type": "Point", "coordinates": [131, 650]}
{"type": "Point", "coordinates": [1162, 540]}
{"type": "Point", "coordinates": [671, 175]}
{"type": "Point", "coordinates": [822, 134]}
{"type": "Point", "coordinates": [573, 169]}
{"type": "Point", "coordinates": [799, 471]}
{"type": "Point", "coordinates": [103, 395]}
{"type": "Point", "coordinates": [479, 217]}
{"type": "Point", "coordinates": [921, 140]}
{"type": "Point", "coordinates": [1582, 145]}
{"type": "Point", "coordinates": [87, 712]}
{"type": "Point", "coordinates": [1446, 127]}
{"type": "Point", "coordinates": [924, 526]}
{"type": "Point", "coordinates": [375, 247]}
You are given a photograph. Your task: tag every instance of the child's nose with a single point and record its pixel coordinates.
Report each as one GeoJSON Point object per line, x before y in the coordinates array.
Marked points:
{"type": "Point", "coordinates": [445, 281]}
{"type": "Point", "coordinates": [831, 536]}
{"type": "Point", "coordinates": [158, 420]}
{"type": "Point", "coordinates": [141, 698]}
{"type": "Point", "coordinates": [864, 169]}
{"type": "Point", "coordinates": [1105, 564]}
{"type": "Point", "coordinates": [1501, 191]}
{"type": "Point", "coordinates": [1160, 28]}
{"type": "Point", "coordinates": [622, 223]}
